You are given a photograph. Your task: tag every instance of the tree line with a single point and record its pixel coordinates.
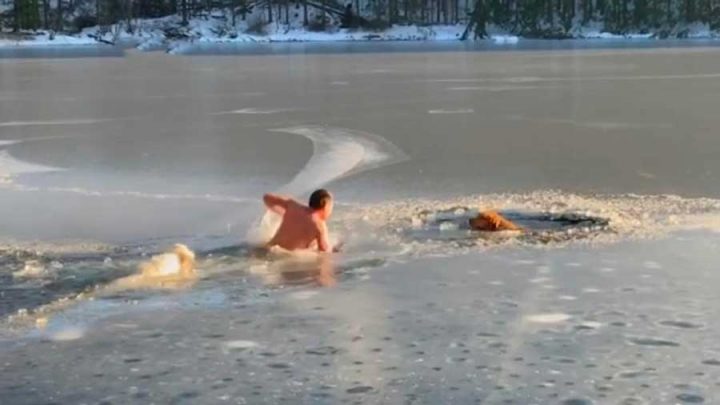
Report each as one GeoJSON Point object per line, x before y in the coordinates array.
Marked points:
{"type": "Point", "coordinates": [549, 18]}
{"type": "Point", "coordinates": [532, 18]}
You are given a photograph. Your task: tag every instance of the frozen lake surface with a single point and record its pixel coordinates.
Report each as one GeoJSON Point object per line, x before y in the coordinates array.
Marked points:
{"type": "Point", "coordinates": [608, 156]}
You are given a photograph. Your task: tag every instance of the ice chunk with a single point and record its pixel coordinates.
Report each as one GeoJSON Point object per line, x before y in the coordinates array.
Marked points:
{"type": "Point", "coordinates": [548, 318]}
{"type": "Point", "coordinates": [448, 226]}
{"type": "Point", "coordinates": [41, 322]}
{"type": "Point", "coordinates": [240, 344]}
{"type": "Point", "coordinates": [303, 295]}
{"type": "Point", "coordinates": [505, 39]}
{"type": "Point", "coordinates": [32, 268]}
{"type": "Point", "coordinates": [652, 265]}
{"type": "Point", "coordinates": [68, 334]}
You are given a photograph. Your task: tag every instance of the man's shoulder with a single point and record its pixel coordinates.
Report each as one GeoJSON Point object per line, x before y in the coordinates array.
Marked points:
{"type": "Point", "coordinates": [319, 223]}
{"type": "Point", "coordinates": [295, 204]}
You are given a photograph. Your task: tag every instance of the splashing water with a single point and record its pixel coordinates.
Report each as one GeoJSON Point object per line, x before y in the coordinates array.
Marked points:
{"type": "Point", "coordinates": [337, 153]}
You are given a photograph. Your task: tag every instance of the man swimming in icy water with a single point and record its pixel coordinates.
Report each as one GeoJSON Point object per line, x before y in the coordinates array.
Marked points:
{"type": "Point", "coordinates": [302, 227]}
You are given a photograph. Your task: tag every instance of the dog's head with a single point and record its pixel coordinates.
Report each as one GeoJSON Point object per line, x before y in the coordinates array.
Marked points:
{"type": "Point", "coordinates": [187, 257]}
{"type": "Point", "coordinates": [488, 221]}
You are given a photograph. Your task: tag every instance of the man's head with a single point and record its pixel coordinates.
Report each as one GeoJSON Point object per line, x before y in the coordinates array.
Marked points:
{"type": "Point", "coordinates": [321, 201]}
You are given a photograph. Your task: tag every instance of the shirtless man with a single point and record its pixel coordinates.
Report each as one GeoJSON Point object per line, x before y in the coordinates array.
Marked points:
{"type": "Point", "coordinates": [302, 226]}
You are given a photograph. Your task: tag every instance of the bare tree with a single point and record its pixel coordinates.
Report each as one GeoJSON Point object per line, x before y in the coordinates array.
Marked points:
{"type": "Point", "coordinates": [59, 23]}
{"type": "Point", "coordinates": [46, 13]}
{"type": "Point", "coordinates": [305, 13]}
{"type": "Point", "coordinates": [16, 15]}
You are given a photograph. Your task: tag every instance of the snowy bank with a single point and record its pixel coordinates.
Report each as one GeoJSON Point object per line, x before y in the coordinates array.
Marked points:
{"type": "Point", "coordinates": [43, 39]}
{"type": "Point", "coordinates": [169, 34]}
{"type": "Point", "coordinates": [689, 31]}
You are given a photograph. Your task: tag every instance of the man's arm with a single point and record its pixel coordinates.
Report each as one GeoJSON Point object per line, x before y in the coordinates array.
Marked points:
{"type": "Point", "coordinates": [323, 241]}
{"type": "Point", "coordinates": [276, 203]}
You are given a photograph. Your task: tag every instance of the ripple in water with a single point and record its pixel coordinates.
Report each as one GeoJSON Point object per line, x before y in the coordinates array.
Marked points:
{"type": "Point", "coordinates": [359, 389]}
{"type": "Point", "coordinates": [681, 324]}
{"type": "Point", "coordinates": [647, 341]}
{"type": "Point", "coordinates": [577, 401]}
{"type": "Point", "coordinates": [690, 398]}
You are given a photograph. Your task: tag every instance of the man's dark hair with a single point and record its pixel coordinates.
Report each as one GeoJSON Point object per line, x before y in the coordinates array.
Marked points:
{"type": "Point", "coordinates": [319, 198]}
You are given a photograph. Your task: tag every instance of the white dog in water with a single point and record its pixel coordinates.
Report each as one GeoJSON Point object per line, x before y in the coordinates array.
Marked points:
{"type": "Point", "coordinates": [179, 262]}
{"type": "Point", "coordinates": [174, 269]}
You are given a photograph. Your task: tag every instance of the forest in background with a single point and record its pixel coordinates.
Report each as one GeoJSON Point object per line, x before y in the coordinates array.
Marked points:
{"type": "Point", "coordinates": [528, 18]}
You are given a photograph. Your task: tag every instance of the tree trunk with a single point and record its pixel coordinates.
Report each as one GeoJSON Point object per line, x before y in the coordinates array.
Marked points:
{"type": "Point", "coordinates": [184, 10]}
{"type": "Point", "coordinates": [305, 13]}
{"type": "Point", "coordinates": [16, 15]}
{"type": "Point", "coordinates": [46, 14]}
{"type": "Point", "coordinates": [690, 11]}
{"type": "Point", "coordinates": [270, 13]}
{"type": "Point", "coordinates": [478, 21]}
{"type": "Point", "coordinates": [128, 16]}
{"type": "Point", "coordinates": [287, 12]}
{"type": "Point", "coordinates": [59, 23]}
{"type": "Point", "coordinates": [549, 13]}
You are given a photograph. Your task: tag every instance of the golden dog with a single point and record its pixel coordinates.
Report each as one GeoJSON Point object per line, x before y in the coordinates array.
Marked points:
{"type": "Point", "coordinates": [492, 221]}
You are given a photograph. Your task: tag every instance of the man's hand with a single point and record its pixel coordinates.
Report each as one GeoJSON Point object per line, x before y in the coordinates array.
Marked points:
{"type": "Point", "coordinates": [323, 241]}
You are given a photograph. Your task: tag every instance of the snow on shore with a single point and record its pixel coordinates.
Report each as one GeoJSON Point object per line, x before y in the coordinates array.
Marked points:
{"type": "Point", "coordinates": [46, 39]}
{"type": "Point", "coordinates": [169, 34]}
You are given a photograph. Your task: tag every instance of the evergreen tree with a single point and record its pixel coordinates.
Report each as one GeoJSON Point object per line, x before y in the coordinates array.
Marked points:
{"type": "Point", "coordinates": [26, 15]}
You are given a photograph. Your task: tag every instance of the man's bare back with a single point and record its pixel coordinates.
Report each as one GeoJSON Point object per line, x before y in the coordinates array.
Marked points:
{"type": "Point", "coordinates": [302, 227]}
